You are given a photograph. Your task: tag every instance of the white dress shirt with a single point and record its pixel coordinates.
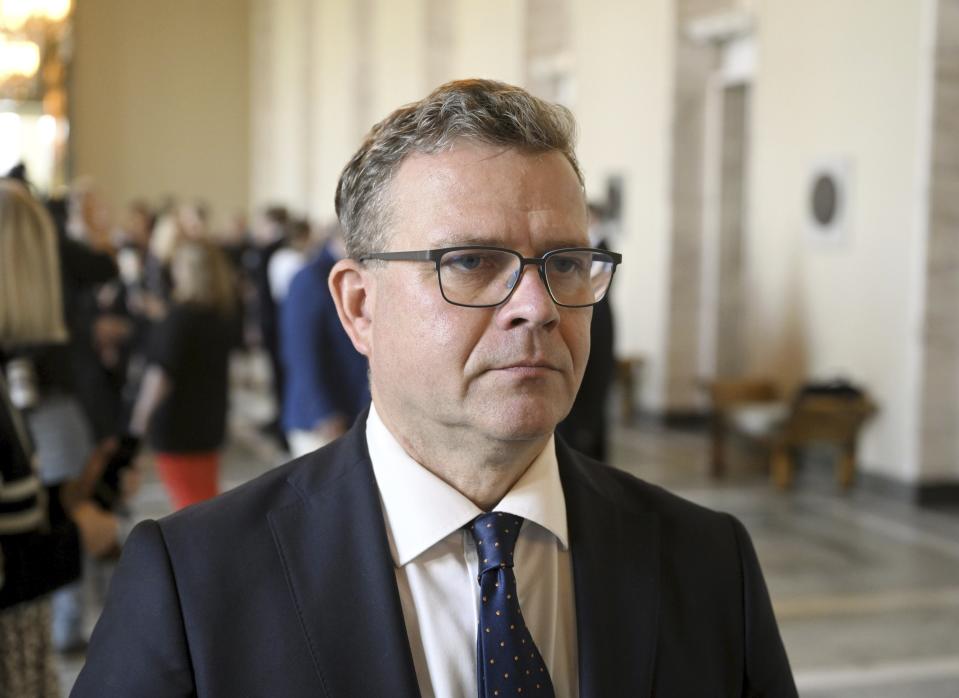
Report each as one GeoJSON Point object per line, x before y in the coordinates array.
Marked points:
{"type": "Point", "coordinates": [436, 566]}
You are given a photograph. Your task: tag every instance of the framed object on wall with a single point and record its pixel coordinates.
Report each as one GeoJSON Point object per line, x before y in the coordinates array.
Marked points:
{"type": "Point", "coordinates": [827, 201]}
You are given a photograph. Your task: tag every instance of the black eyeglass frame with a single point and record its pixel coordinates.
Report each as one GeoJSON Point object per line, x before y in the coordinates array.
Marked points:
{"type": "Point", "coordinates": [436, 255]}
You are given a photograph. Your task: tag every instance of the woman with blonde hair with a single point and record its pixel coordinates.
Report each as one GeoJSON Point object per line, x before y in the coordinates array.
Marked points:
{"type": "Point", "coordinates": [41, 529]}
{"type": "Point", "coordinates": [182, 403]}
{"type": "Point", "coordinates": [31, 310]}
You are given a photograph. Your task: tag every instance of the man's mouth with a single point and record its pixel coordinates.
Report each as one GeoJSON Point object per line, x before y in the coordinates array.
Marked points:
{"type": "Point", "coordinates": [531, 366]}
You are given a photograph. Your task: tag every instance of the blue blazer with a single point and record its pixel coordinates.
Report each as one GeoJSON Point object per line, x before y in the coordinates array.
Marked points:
{"type": "Point", "coordinates": [324, 374]}
{"type": "Point", "coordinates": [285, 587]}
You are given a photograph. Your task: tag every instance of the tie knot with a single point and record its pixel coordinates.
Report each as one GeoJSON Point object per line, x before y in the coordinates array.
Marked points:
{"type": "Point", "coordinates": [495, 535]}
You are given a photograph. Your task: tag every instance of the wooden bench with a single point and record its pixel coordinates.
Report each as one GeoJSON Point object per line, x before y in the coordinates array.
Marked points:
{"type": "Point", "coordinates": [752, 407]}
{"type": "Point", "coordinates": [728, 397]}
{"type": "Point", "coordinates": [833, 420]}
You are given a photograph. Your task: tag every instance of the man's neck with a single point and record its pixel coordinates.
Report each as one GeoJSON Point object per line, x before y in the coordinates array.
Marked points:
{"type": "Point", "coordinates": [481, 469]}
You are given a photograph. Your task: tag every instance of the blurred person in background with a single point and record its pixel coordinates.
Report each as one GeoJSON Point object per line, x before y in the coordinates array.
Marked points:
{"type": "Point", "coordinates": [239, 249]}
{"type": "Point", "coordinates": [269, 235]}
{"type": "Point", "coordinates": [87, 216]}
{"type": "Point", "coordinates": [73, 389]}
{"type": "Point", "coordinates": [100, 329]}
{"type": "Point", "coordinates": [288, 260]}
{"type": "Point", "coordinates": [586, 425]}
{"type": "Point", "coordinates": [167, 234]}
{"type": "Point", "coordinates": [182, 403]}
{"type": "Point", "coordinates": [133, 246]}
{"type": "Point", "coordinates": [137, 225]}
{"type": "Point", "coordinates": [45, 522]}
{"type": "Point", "coordinates": [194, 219]}
{"type": "Point", "coordinates": [174, 223]}
{"type": "Point", "coordinates": [132, 300]}
{"type": "Point", "coordinates": [236, 239]}
{"type": "Point", "coordinates": [326, 384]}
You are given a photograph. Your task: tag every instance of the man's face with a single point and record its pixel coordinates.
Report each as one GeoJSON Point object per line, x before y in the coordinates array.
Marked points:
{"type": "Point", "coordinates": [505, 373]}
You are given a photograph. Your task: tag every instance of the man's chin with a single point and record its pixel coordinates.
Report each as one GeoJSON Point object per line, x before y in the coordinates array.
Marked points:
{"type": "Point", "coordinates": [528, 422]}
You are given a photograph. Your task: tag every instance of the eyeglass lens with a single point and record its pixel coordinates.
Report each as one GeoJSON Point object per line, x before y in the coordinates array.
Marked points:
{"type": "Point", "coordinates": [487, 276]}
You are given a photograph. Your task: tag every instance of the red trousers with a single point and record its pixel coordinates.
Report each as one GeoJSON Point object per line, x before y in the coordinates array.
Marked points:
{"type": "Point", "coordinates": [189, 477]}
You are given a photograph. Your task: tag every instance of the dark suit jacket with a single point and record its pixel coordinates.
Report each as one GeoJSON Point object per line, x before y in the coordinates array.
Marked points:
{"type": "Point", "coordinates": [285, 587]}
{"type": "Point", "coordinates": [585, 427]}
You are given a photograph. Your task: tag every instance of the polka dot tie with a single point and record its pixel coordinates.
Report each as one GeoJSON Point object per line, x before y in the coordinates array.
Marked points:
{"type": "Point", "coordinates": [507, 661]}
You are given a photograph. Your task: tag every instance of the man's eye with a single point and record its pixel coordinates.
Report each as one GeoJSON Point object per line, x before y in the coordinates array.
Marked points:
{"type": "Point", "coordinates": [466, 262]}
{"type": "Point", "coordinates": [566, 265]}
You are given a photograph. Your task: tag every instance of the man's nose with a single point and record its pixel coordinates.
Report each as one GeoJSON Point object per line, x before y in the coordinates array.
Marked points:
{"type": "Point", "coordinates": [530, 301]}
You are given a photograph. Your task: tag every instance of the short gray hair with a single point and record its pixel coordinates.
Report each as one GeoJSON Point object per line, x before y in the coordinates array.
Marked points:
{"type": "Point", "coordinates": [482, 111]}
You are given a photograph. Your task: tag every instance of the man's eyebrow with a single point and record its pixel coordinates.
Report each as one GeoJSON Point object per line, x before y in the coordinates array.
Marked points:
{"type": "Point", "coordinates": [566, 242]}
{"type": "Point", "coordinates": [455, 240]}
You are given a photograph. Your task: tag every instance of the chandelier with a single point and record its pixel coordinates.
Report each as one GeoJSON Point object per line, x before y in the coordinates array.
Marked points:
{"type": "Point", "coordinates": [30, 34]}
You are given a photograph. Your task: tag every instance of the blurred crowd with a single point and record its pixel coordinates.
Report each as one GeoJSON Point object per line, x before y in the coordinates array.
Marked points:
{"type": "Point", "coordinates": [115, 336]}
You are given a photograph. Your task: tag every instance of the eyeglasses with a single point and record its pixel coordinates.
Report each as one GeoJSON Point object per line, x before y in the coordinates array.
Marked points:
{"type": "Point", "coordinates": [477, 276]}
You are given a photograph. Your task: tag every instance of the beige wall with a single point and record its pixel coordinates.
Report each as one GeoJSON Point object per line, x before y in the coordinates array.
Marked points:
{"type": "Point", "coordinates": [160, 100]}
{"type": "Point", "coordinates": [357, 62]}
{"type": "Point", "coordinates": [488, 40]}
{"type": "Point", "coordinates": [323, 72]}
{"type": "Point", "coordinates": [280, 102]}
{"type": "Point", "coordinates": [398, 56]}
{"type": "Point", "coordinates": [337, 130]}
{"type": "Point", "coordinates": [842, 80]}
{"type": "Point", "coordinates": [622, 63]}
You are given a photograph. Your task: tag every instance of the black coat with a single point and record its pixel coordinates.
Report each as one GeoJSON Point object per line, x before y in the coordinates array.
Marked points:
{"type": "Point", "coordinates": [585, 427]}
{"type": "Point", "coordinates": [285, 587]}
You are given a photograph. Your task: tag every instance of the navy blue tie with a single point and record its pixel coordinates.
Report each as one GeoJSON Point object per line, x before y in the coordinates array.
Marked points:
{"type": "Point", "coordinates": [507, 661]}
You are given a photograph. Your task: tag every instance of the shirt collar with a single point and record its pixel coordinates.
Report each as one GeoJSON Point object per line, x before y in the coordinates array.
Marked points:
{"type": "Point", "coordinates": [421, 509]}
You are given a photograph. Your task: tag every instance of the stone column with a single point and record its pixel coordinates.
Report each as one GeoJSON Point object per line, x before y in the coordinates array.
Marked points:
{"type": "Point", "coordinates": [939, 426]}
{"type": "Point", "coordinates": [281, 105]}
{"type": "Point", "coordinates": [694, 65]}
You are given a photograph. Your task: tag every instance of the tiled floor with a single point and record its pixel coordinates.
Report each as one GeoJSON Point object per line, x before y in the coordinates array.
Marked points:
{"type": "Point", "coordinates": [866, 591]}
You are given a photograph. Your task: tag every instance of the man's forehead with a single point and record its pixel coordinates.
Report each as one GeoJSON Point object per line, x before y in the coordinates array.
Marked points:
{"type": "Point", "coordinates": [480, 173]}
{"type": "Point", "coordinates": [487, 195]}
{"type": "Point", "coordinates": [465, 153]}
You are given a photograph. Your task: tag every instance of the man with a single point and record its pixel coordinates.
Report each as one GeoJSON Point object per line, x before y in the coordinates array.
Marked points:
{"type": "Point", "coordinates": [269, 236]}
{"type": "Point", "coordinates": [448, 545]}
{"type": "Point", "coordinates": [326, 384]}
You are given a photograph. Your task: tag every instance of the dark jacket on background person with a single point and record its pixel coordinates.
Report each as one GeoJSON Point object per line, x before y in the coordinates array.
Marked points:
{"type": "Point", "coordinates": [192, 345]}
{"type": "Point", "coordinates": [325, 375]}
{"type": "Point", "coordinates": [39, 544]}
{"type": "Point", "coordinates": [83, 270]}
{"type": "Point", "coordinates": [585, 427]}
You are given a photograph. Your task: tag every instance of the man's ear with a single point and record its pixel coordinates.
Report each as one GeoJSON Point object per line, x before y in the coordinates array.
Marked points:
{"type": "Point", "coordinates": [351, 286]}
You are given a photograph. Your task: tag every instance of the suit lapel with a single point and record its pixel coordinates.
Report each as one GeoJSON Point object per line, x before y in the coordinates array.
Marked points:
{"type": "Point", "coordinates": [337, 562]}
{"type": "Point", "coordinates": [615, 552]}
